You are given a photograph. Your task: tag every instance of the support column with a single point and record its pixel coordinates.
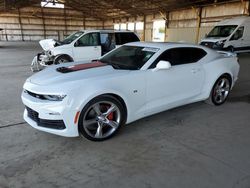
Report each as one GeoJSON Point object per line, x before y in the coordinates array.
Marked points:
{"type": "Point", "coordinates": [127, 20]}
{"type": "Point", "coordinates": [6, 35]}
{"type": "Point", "coordinates": [20, 23]}
{"type": "Point", "coordinates": [83, 23]}
{"type": "Point", "coordinates": [166, 25]}
{"type": "Point", "coordinates": [65, 22]}
{"type": "Point", "coordinates": [198, 24]}
{"type": "Point", "coordinates": [144, 27]}
{"type": "Point", "coordinates": [135, 24]}
{"type": "Point", "coordinates": [248, 9]}
{"type": "Point", "coordinates": [44, 29]}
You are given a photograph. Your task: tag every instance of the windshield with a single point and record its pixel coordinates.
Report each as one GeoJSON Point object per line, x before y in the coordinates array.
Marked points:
{"type": "Point", "coordinates": [222, 31]}
{"type": "Point", "coordinates": [129, 57]}
{"type": "Point", "coordinates": [72, 37]}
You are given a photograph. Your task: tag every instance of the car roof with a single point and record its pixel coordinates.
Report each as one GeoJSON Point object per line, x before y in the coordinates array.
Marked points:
{"type": "Point", "coordinates": [108, 30]}
{"type": "Point", "coordinates": [234, 21]}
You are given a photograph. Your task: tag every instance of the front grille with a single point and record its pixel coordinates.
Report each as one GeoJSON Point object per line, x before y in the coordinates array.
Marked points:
{"type": "Point", "coordinates": [32, 114]}
{"type": "Point", "coordinates": [52, 124]}
{"type": "Point", "coordinates": [208, 44]}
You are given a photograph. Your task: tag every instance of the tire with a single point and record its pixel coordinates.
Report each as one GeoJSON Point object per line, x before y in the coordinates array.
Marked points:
{"type": "Point", "coordinates": [62, 59]}
{"type": "Point", "coordinates": [220, 91]}
{"type": "Point", "coordinates": [101, 118]}
{"type": "Point", "coordinates": [231, 49]}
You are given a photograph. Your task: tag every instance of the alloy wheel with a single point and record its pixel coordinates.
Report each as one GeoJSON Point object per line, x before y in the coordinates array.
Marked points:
{"type": "Point", "coordinates": [221, 90]}
{"type": "Point", "coordinates": [101, 119]}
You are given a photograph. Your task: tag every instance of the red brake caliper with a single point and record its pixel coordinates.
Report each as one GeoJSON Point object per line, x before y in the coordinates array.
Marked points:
{"type": "Point", "coordinates": [111, 115]}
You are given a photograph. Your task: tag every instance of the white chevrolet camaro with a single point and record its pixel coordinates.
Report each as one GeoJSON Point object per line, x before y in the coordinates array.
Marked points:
{"type": "Point", "coordinates": [131, 82]}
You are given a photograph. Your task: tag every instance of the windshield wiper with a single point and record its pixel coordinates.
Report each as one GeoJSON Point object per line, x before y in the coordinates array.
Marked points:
{"type": "Point", "coordinates": [120, 66]}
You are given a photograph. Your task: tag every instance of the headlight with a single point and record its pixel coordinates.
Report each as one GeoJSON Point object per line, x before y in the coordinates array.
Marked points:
{"type": "Point", "coordinates": [45, 97]}
{"type": "Point", "coordinates": [220, 43]}
{"type": "Point", "coordinates": [54, 97]}
{"type": "Point", "coordinates": [48, 53]}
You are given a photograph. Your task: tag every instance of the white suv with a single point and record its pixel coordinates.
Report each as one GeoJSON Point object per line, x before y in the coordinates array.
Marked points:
{"type": "Point", "coordinates": [80, 46]}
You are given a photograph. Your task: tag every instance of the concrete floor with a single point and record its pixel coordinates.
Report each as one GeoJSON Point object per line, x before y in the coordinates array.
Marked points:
{"type": "Point", "coordinates": [197, 145]}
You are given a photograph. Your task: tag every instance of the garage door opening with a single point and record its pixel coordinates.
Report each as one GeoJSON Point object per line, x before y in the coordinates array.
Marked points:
{"type": "Point", "coordinates": [159, 31]}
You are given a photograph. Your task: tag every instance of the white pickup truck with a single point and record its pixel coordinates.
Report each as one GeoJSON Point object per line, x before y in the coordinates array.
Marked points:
{"type": "Point", "coordinates": [81, 46]}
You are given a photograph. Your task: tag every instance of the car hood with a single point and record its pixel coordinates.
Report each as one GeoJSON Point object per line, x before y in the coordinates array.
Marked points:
{"type": "Point", "coordinates": [213, 39]}
{"type": "Point", "coordinates": [47, 44]}
{"type": "Point", "coordinates": [57, 75]}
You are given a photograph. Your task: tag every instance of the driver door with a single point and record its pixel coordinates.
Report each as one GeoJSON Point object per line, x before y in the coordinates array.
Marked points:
{"type": "Point", "coordinates": [179, 84]}
{"type": "Point", "coordinates": [87, 47]}
{"type": "Point", "coordinates": [237, 40]}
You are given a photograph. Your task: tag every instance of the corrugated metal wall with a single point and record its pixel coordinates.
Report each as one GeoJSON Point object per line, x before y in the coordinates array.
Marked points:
{"type": "Point", "coordinates": [182, 25]}
{"type": "Point", "coordinates": [190, 25]}
{"type": "Point", "coordinates": [39, 23]}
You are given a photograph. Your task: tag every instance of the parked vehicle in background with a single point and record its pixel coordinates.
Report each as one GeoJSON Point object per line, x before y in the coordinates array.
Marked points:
{"type": "Point", "coordinates": [230, 34]}
{"type": "Point", "coordinates": [80, 46]}
{"type": "Point", "coordinates": [131, 82]}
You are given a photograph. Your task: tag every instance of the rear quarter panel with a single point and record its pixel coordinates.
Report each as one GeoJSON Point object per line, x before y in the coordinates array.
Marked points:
{"type": "Point", "coordinates": [216, 68]}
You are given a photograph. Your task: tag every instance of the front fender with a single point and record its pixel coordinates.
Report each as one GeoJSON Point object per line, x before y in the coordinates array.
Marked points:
{"type": "Point", "coordinates": [84, 100]}
{"type": "Point", "coordinates": [62, 50]}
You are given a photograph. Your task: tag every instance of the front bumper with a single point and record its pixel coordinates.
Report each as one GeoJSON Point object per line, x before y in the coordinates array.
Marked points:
{"type": "Point", "coordinates": [213, 45]}
{"type": "Point", "coordinates": [53, 124]}
{"type": "Point", "coordinates": [40, 61]}
{"type": "Point", "coordinates": [56, 117]}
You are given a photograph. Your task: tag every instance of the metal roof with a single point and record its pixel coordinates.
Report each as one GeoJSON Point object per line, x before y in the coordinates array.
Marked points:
{"type": "Point", "coordinates": [108, 9]}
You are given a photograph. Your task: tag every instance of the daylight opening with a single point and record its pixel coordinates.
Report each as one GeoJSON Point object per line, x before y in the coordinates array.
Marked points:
{"type": "Point", "coordinates": [51, 4]}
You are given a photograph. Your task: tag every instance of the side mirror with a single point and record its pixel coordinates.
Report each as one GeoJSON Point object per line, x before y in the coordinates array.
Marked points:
{"type": "Point", "coordinates": [162, 65]}
{"type": "Point", "coordinates": [76, 43]}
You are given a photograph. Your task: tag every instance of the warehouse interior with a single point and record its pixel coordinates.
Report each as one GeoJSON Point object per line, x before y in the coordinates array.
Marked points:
{"type": "Point", "coordinates": [197, 145]}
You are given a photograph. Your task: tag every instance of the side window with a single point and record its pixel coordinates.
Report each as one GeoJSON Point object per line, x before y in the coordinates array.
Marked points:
{"type": "Point", "coordinates": [238, 34]}
{"type": "Point", "coordinates": [90, 39]}
{"type": "Point", "coordinates": [179, 56]}
{"type": "Point", "coordinates": [118, 38]}
{"type": "Point", "coordinates": [107, 42]}
{"type": "Point", "coordinates": [123, 38]}
{"type": "Point", "coordinates": [196, 54]}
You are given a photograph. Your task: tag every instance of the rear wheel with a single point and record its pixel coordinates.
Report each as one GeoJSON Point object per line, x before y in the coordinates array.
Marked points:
{"type": "Point", "coordinates": [101, 118]}
{"type": "Point", "coordinates": [220, 91]}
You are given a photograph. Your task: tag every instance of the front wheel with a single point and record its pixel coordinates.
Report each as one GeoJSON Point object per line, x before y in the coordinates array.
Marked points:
{"type": "Point", "coordinates": [231, 49]}
{"type": "Point", "coordinates": [62, 59]}
{"type": "Point", "coordinates": [220, 91]}
{"type": "Point", "coordinates": [101, 118]}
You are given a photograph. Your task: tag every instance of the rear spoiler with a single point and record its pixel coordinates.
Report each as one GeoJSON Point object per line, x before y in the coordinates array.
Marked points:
{"type": "Point", "coordinates": [227, 54]}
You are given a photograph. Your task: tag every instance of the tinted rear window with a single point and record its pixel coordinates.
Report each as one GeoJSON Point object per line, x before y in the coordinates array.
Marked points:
{"type": "Point", "coordinates": [123, 38]}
